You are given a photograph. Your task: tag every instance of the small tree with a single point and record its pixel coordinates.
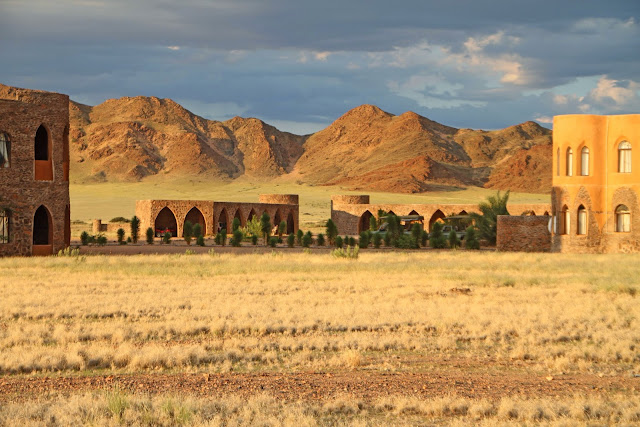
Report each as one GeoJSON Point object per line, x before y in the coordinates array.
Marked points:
{"type": "Point", "coordinates": [187, 232]}
{"type": "Point", "coordinates": [470, 239]}
{"type": "Point", "coordinates": [236, 239]}
{"type": "Point", "coordinates": [84, 238]}
{"type": "Point", "coordinates": [265, 226]}
{"type": "Point", "coordinates": [307, 239]}
{"type": "Point", "coordinates": [387, 239]}
{"type": "Point", "coordinates": [377, 240]}
{"type": "Point", "coordinates": [120, 233]}
{"type": "Point", "coordinates": [200, 240]}
{"type": "Point", "coordinates": [487, 222]}
{"type": "Point", "coordinates": [373, 223]}
{"type": "Point", "coordinates": [332, 231]}
{"type": "Point", "coordinates": [364, 240]}
{"type": "Point", "coordinates": [394, 228]}
{"type": "Point", "coordinates": [166, 237]}
{"type": "Point", "coordinates": [381, 214]}
{"type": "Point", "coordinates": [135, 229]}
{"type": "Point", "coordinates": [338, 241]}
{"type": "Point", "coordinates": [235, 224]}
{"type": "Point", "coordinates": [454, 242]}
{"type": "Point", "coordinates": [291, 240]}
{"type": "Point", "coordinates": [197, 230]}
{"type": "Point", "coordinates": [282, 228]}
{"type": "Point", "coordinates": [424, 236]}
{"type": "Point", "coordinates": [437, 240]}
{"type": "Point", "coordinates": [299, 236]}
{"type": "Point", "coordinates": [273, 241]}
{"type": "Point", "coordinates": [223, 236]}
{"type": "Point", "coordinates": [416, 233]}
{"type": "Point", "coordinates": [150, 236]}
{"type": "Point", "coordinates": [320, 239]}
{"type": "Point", "coordinates": [254, 239]}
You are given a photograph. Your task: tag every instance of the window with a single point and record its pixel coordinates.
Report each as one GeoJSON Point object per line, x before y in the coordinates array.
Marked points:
{"type": "Point", "coordinates": [565, 220]}
{"type": "Point", "coordinates": [582, 220]}
{"type": "Point", "coordinates": [5, 150]}
{"type": "Point", "coordinates": [624, 157]}
{"type": "Point", "coordinates": [4, 226]}
{"type": "Point", "coordinates": [584, 161]}
{"type": "Point", "coordinates": [569, 162]}
{"type": "Point", "coordinates": [623, 219]}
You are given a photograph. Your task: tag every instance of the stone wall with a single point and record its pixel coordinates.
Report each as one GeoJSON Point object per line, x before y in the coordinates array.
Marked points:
{"type": "Point", "coordinates": [22, 112]}
{"type": "Point", "coordinates": [99, 227]}
{"type": "Point", "coordinates": [523, 234]}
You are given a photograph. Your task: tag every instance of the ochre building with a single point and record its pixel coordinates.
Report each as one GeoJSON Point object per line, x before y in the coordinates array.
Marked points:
{"type": "Point", "coordinates": [352, 213]}
{"type": "Point", "coordinates": [596, 179]}
{"type": "Point", "coordinates": [34, 172]}
{"type": "Point", "coordinates": [170, 215]}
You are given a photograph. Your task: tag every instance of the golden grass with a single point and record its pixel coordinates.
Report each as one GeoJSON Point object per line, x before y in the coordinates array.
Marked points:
{"type": "Point", "coordinates": [545, 313]}
{"type": "Point", "coordinates": [116, 407]}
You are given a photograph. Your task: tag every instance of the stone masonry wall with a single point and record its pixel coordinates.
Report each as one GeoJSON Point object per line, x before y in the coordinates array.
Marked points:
{"type": "Point", "coordinates": [523, 234]}
{"type": "Point", "coordinates": [22, 112]}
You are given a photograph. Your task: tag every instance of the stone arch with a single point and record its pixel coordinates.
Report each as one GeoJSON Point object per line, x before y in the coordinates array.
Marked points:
{"type": "Point", "coordinates": [363, 223]}
{"type": "Point", "coordinates": [195, 216]}
{"type": "Point", "coordinates": [223, 220]}
{"type": "Point", "coordinates": [238, 214]}
{"type": "Point", "coordinates": [166, 221]}
{"type": "Point", "coordinates": [277, 219]}
{"type": "Point", "coordinates": [252, 213]}
{"type": "Point", "coordinates": [67, 226]}
{"type": "Point", "coordinates": [581, 226]}
{"type": "Point", "coordinates": [463, 212]}
{"type": "Point", "coordinates": [437, 216]}
{"type": "Point", "coordinates": [42, 155]}
{"type": "Point", "coordinates": [627, 197]}
{"type": "Point", "coordinates": [413, 212]}
{"type": "Point", "coordinates": [565, 220]}
{"type": "Point", "coordinates": [291, 226]}
{"type": "Point", "coordinates": [391, 213]}
{"type": "Point", "coordinates": [546, 213]}
{"type": "Point", "coordinates": [42, 227]}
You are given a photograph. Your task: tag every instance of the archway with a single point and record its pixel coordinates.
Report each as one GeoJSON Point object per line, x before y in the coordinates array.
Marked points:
{"type": "Point", "coordinates": [437, 216]}
{"type": "Point", "coordinates": [195, 217]}
{"type": "Point", "coordinates": [67, 226]}
{"type": "Point", "coordinates": [546, 213]}
{"type": "Point", "coordinates": [166, 221]}
{"type": "Point", "coordinates": [222, 220]}
{"type": "Point", "coordinates": [42, 232]}
{"type": "Point", "coordinates": [238, 215]}
{"type": "Point", "coordinates": [252, 214]}
{"type": "Point", "coordinates": [463, 212]}
{"type": "Point", "coordinates": [363, 223]}
{"type": "Point", "coordinates": [277, 219]}
{"type": "Point", "coordinates": [414, 213]}
{"type": "Point", "coordinates": [291, 227]}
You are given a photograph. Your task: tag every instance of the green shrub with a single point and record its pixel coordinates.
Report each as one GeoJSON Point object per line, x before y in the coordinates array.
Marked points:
{"type": "Point", "coordinates": [236, 239]}
{"type": "Point", "coordinates": [307, 239]}
{"type": "Point", "coordinates": [166, 237]}
{"type": "Point", "coordinates": [129, 239]}
{"type": "Point", "coordinates": [273, 241]}
{"type": "Point", "coordinates": [387, 239]}
{"type": "Point", "coordinates": [265, 227]}
{"type": "Point", "coordinates": [101, 240]}
{"type": "Point", "coordinates": [424, 236]}
{"type": "Point", "coordinates": [454, 242]}
{"type": "Point", "coordinates": [373, 223]}
{"type": "Point", "coordinates": [352, 241]}
{"type": "Point", "coordinates": [332, 231]}
{"type": "Point", "coordinates": [338, 241]}
{"type": "Point", "coordinates": [68, 252]}
{"type": "Point", "coordinates": [470, 238]}
{"type": "Point", "coordinates": [119, 219]}
{"type": "Point", "coordinates": [135, 229]}
{"type": "Point", "coordinates": [150, 236]}
{"type": "Point", "coordinates": [406, 242]}
{"type": "Point", "coordinates": [487, 223]}
{"type": "Point", "coordinates": [282, 228]}
{"type": "Point", "coordinates": [377, 240]}
{"type": "Point", "coordinates": [235, 224]}
{"type": "Point", "coordinates": [200, 240]}
{"type": "Point", "coordinates": [120, 234]}
{"type": "Point", "coordinates": [364, 240]}
{"type": "Point", "coordinates": [350, 252]}
{"type": "Point", "coordinates": [223, 237]}
{"type": "Point", "coordinates": [437, 240]}
{"type": "Point", "coordinates": [197, 230]}
{"type": "Point", "coordinates": [291, 240]}
{"type": "Point", "coordinates": [217, 239]}
{"type": "Point", "coordinates": [254, 239]}
{"type": "Point", "coordinates": [299, 236]}
{"type": "Point", "coordinates": [416, 233]}
{"type": "Point", "coordinates": [320, 239]}
{"type": "Point", "coordinates": [84, 238]}
{"type": "Point", "coordinates": [253, 227]}
{"type": "Point", "coordinates": [187, 232]}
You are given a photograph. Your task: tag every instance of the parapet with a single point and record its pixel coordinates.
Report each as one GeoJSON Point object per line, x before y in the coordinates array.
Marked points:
{"type": "Point", "coordinates": [351, 199]}
{"type": "Point", "coordinates": [279, 199]}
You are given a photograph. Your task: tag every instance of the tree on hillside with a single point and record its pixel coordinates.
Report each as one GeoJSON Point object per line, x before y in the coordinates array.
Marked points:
{"type": "Point", "coordinates": [487, 222]}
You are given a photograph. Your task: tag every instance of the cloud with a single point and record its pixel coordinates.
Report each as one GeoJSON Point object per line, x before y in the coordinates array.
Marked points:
{"type": "Point", "coordinates": [173, 47]}
{"type": "Point", "coordinates": [610, 91]}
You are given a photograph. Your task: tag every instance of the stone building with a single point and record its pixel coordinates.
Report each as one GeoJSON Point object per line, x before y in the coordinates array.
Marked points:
{"type": "Point", "coordinates": [213, 216]}
{"type": "Point", "coordinates": [596, 183]}
{"type": "Point", "coordinates": [34, 172]}
{"type": "Point", "coordinates": [352, 214]}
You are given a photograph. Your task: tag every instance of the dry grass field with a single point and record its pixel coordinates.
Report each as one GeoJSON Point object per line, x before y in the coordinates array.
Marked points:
{"type": "Point", "coordinates": [499, 320]}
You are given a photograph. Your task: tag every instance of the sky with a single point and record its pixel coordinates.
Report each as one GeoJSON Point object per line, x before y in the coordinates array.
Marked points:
{"type": "Point", "coordinates": [300, 64]}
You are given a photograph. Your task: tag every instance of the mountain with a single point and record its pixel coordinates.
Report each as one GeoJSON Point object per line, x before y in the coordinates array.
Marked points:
{"type": "Point", "coordinates": [365, 149]}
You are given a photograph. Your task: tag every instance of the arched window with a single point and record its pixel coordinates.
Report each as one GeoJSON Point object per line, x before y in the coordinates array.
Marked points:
{"type": "Point", "coordinates": [42, 155]}
{"type": "Point", "coordinates": [565, 220]}
{"type": "Point", "coordinates": [582, 220]}
{"type": "Point", "coordinates": [558, 162]}
{"type": "Point", "coordinates": [623, 219]}
{"type": "Point", "coordinates": [624, 157]}
{"type": "Point", "coordinates": [584, 161]}
{"type": "Point", "coordinates": [569, 162]}
{"type": "Point", "coordinates": [4, 226]}
{"type": "Point", "coordinates": [5, 150]}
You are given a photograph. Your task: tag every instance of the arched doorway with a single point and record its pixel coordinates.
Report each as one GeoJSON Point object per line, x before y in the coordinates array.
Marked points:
{"type": "Point", "coordinates": [363, 223]}
{"type": "Point", "coordinates": [67, 226]}
{"type": "Point", "coordinates": [437, 216]}
{"type": "Point", "coordinates": [291, 227]}
{"type": "Point", "coordinates": [42, 155]}
{"type": "Point", "coordinates": [414, 213]}
{"type": "Point", "coordinates": [166, 221]}
{"type": "Point", "coordinates": [238, 215]}
{"type": "Point", "coordinates": [463, 212]}
{"type": "Point", "coordinates": [277, 219]}
{"type": "Point", "coordinates": [222, 220]}
{"type": "Point", "coordinates": [252, 214]}
{"type": "Point", "coordinates": [42, 232]}
{"type": "Point", "coordinates": [194, 216]}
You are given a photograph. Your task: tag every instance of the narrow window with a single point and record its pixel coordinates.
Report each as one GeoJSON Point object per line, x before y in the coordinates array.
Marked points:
{"type": "Point", "coordinates": [584, 161]}
{"type": "Point", "coordinates": [42, 144]}
{"type": "Point", "coordinates": [4, 226]}
{"type": "Point", "coordinates": [582, 220]}
{"type": "Point", "coordinates": [624, 157]}
{"type": "Point", "coordinates": [623, 219]}
{"type": "Point", "coordinates": [5, 150]}
{"type": "Point", "coordinates": [569, 162]}
{"type": "Point", "coordinates": [558, 162]}
{"type": "Point", "coordinates": [565, 219]}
